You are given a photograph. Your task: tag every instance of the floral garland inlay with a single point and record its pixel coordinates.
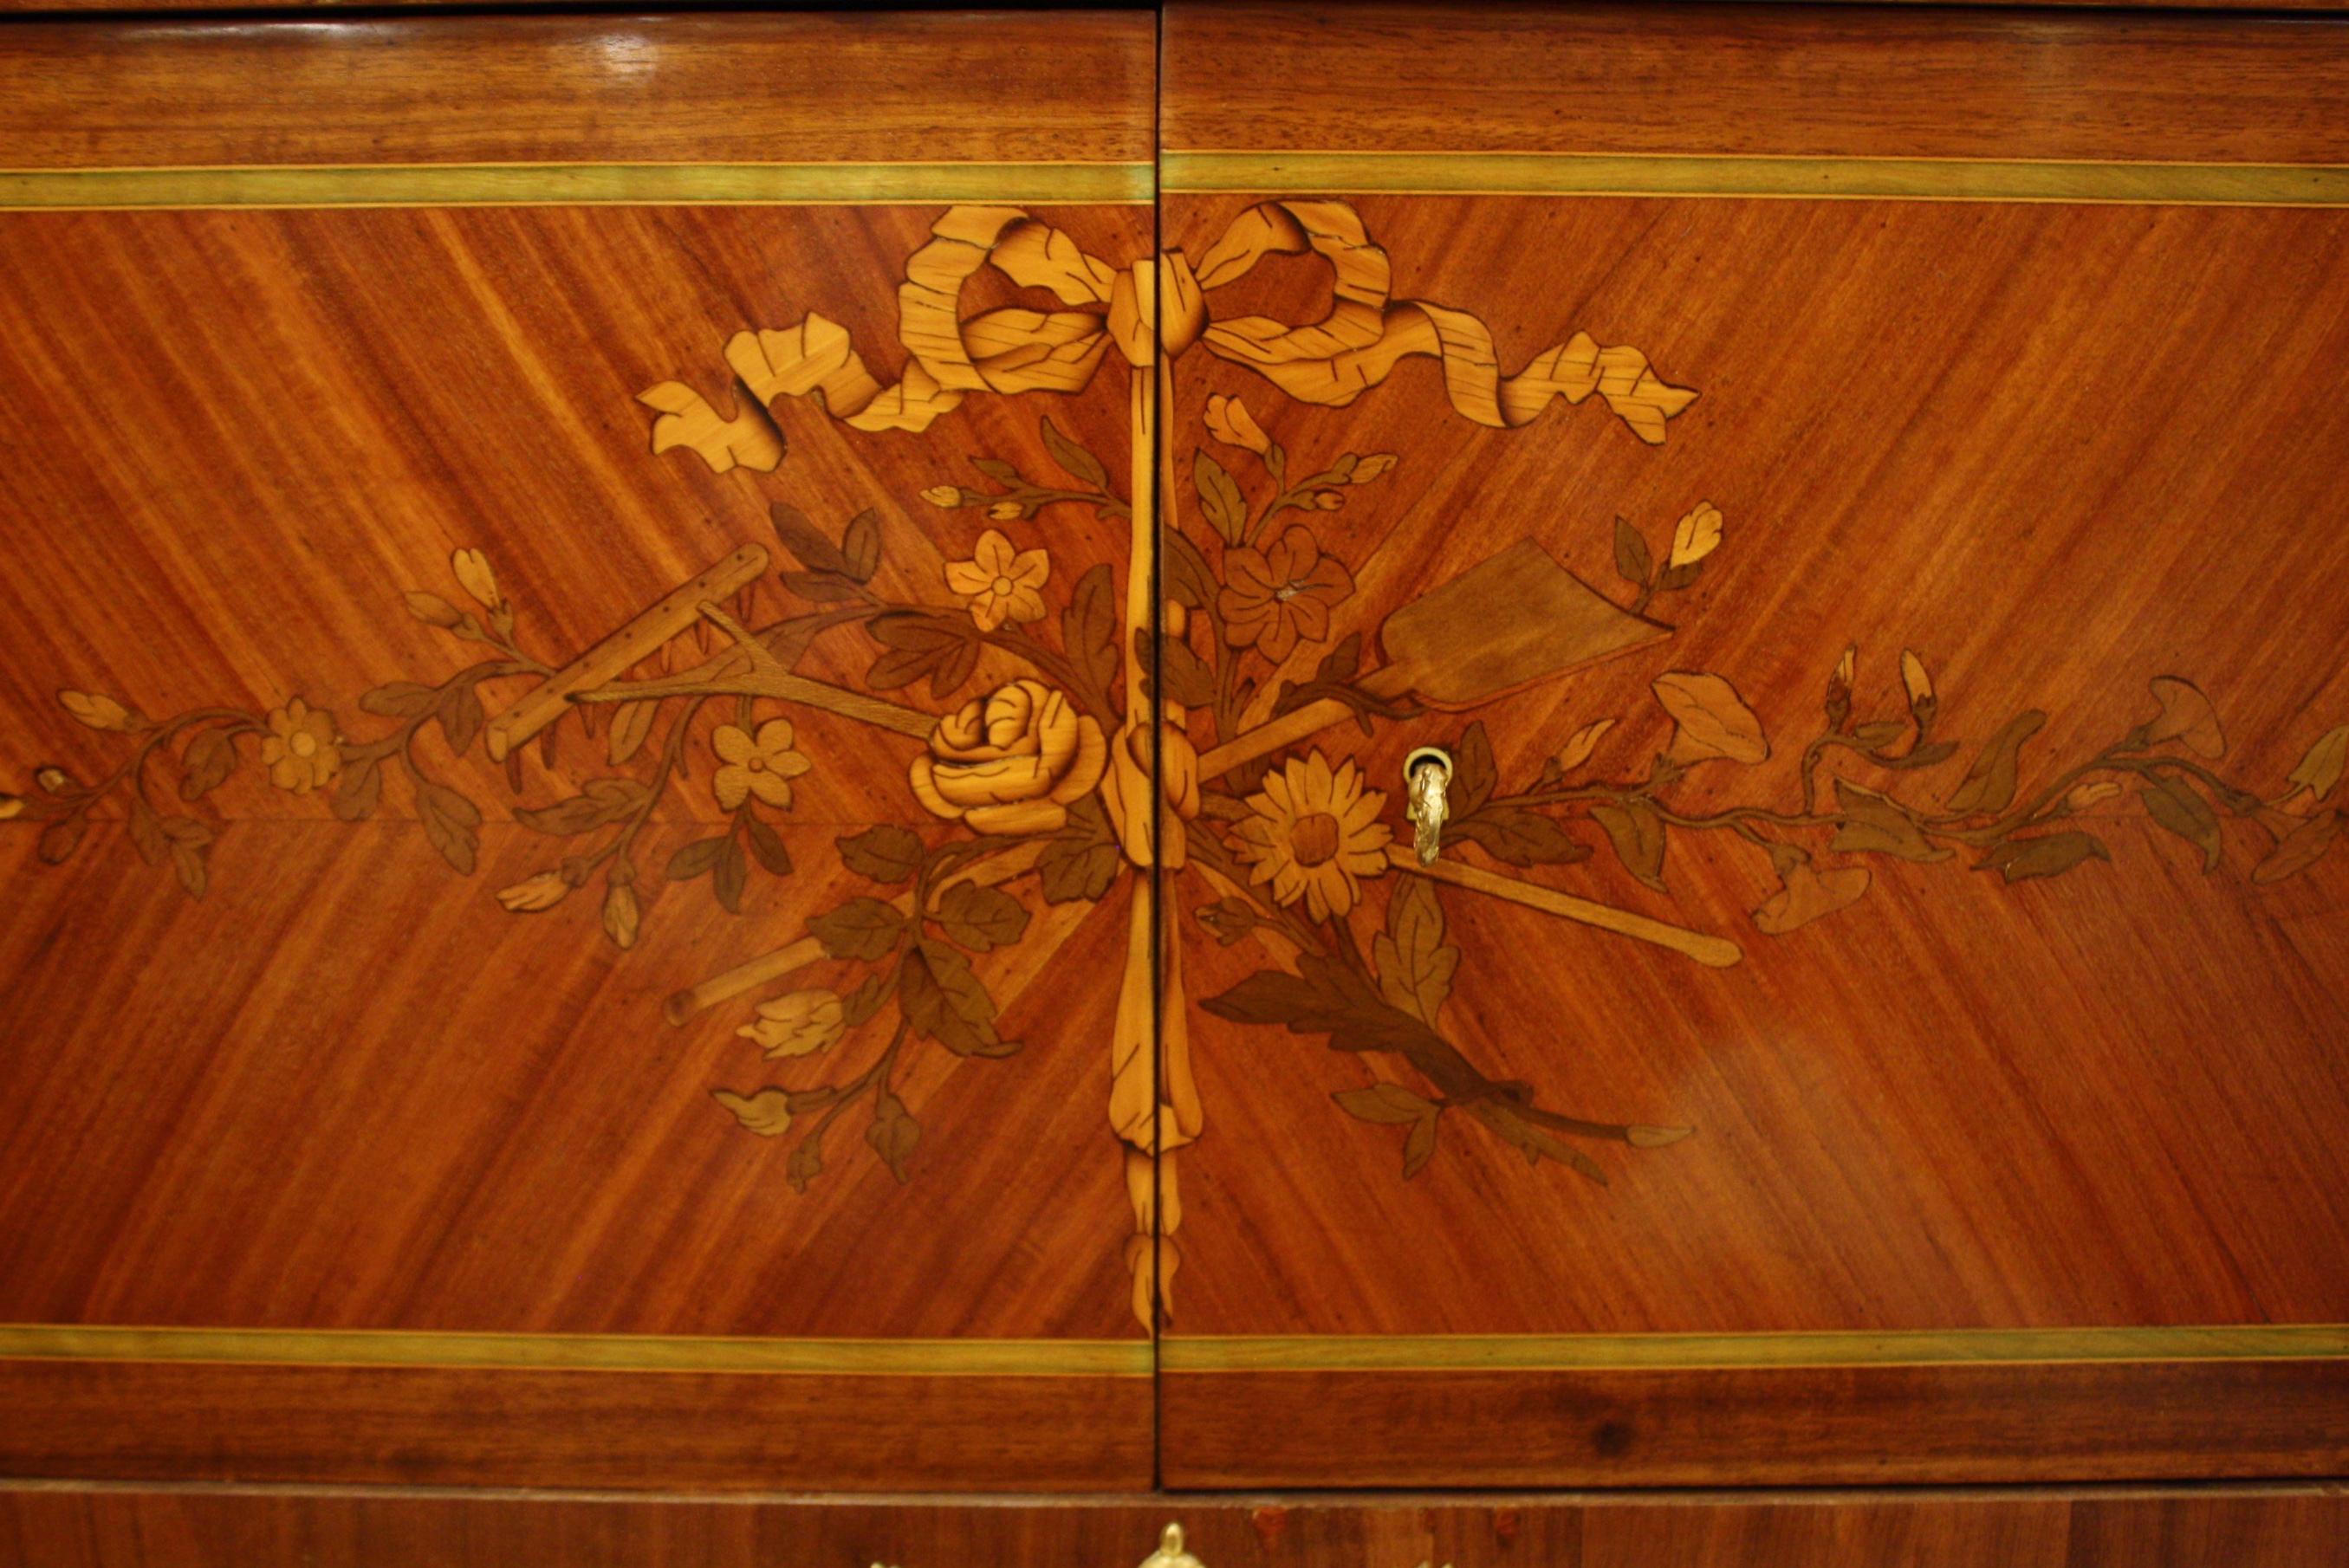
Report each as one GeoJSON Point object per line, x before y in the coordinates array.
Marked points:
{"type": "Point", "coordinates": [1266, 834]}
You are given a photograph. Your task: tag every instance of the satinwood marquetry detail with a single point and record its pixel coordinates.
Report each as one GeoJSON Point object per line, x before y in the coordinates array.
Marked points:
{"type": "Point", "coordinates": [1054, 774]}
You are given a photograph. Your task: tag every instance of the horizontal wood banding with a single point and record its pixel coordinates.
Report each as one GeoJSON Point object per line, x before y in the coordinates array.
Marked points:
{"type": "Point", "coordinates": [1618, 1352]}
{"type": "Point", "coordinates": [1758, 1426]}
{"type": "Point", "coordinates": [573, 185]}
{"type": "Point", "coordinates": [966, 86]}
{"type": "Point", "coordinates": [1715, 80]}
{"type": "Point", "coordinates": [2241, 1526]}
{"type": "Point", "coordinates": [583, 1351]}
{"type": "Point", "coordinates": [608, 1430]}
{"type": "Point", "coordinates": [1809, 179]}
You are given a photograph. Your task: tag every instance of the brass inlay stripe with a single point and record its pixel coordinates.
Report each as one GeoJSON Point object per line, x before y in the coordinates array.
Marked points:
{"type": "Point", "coordinates": [583, 1351]}
{"type": "Point", "coordinates": [1624, 1352]}
{"type": "Point", "coordinates": [1830, 178]}
{"type": "Point", "coordinates": [575, 184]}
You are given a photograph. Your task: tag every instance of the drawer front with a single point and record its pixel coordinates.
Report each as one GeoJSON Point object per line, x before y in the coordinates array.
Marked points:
{"type": "Point", "coordinates": [1878, 1009]}
{"type": "Point", "coordinates": [510, 607]}
{"type": "Point", "coordinates": [2256, 1528]}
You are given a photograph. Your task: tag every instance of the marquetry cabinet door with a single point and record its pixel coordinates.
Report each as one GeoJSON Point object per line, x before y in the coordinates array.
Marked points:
{"type": "Point", "coordinates": [573, 845]}
{"type": "Point", "coordinates": [1847, 504]}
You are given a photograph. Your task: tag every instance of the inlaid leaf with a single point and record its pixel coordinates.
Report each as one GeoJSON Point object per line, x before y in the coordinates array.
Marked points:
{"type": "Point", "coordinates": [359, 790]}
{"type": "Point", "coordinates": [2300, 849]}
{"type": "Point", "coordinates": [887, 853]}
{"type": "Point", "coordinates": [1473, 773]}
{"type": "Point", "coordinates": [807, 542]}
{"type": "Point", "coordinates": [1517, 836]}
{"type": "Point", "coordinates": [1078, 864]}
{"type": "Point", "coordinates": [146, 829]}
{"type": "Point", "coordinates": [399, 699]}
{"type": "Point", "coordinates": [861, 928]}
{"type": "Point", "coordinates": [1078, 463]}
{"type": "Point", "coordinates": [728, 874]}
{"type": "Point", "coordinates": [1415, 963]}
{"type": "Point", "coordinates": [1387, 1103]}
{"type": "Point", "coordinates": [461, 717]}
{"type": "Point", "coordinates": [2179, 807]}
{"type": "Point", "coordinates": [1185, 572]}
{"type": "Point", "coordinates": [1220, 501]}
{"type": "Point", "coordinates": [1637, 831]}
{"type": "Point", "coordinates": [1088, 629]}
{"type": "Point", "coordinates": [599, 803]}
{"type": "Point", "coordinates": [1873, 825]}
{"type": "Point", "coordinates": [1712, 719]}
{"type": "Point", "coordinates": [2319, 769]}
{"type": "Point", "coordinates": [1989, 784]}
{"type": "Point", "coordinates": [2051, 854]}
{"type": "Point", "coordinates": [893, 1134]}
{"type": "Point", "coordinates": [981, 918]}
{"type": "Point", "coordinates": [1581, 744]}
{"type": "Point", "coordinates": [209, 759]}
{"type": "Point", "coordinates": [860, 545]}
{"type": "Point", "coordinates": [945, 1001]}
{"type": "Point", "coordinates": [187, 863]}
{"type": "Point", "coordinates": [1696, 535]}
{"type": "Point", "coordinates": [767, 846]}
{"type": "Point", "coordinates": [1632, 562]}
{"type": "Point", "coordinates": [449, 821]}
{"type": "Point", "coordinates": [1420, 1147]}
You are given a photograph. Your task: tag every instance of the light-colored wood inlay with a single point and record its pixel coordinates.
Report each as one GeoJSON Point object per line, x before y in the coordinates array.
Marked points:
{"type": "Point", "coordinates": [582, 1352]}
{"type": "Point", "coordinates": [1912, 1347]}
{"type": "Point", "coordinates": [1818, 178]}
{"type": "Point", "coordinates": [573, 184]}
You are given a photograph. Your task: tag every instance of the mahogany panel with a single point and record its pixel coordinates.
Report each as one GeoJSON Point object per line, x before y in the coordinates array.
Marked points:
{"type": "Point", "coordinates": [2113, 1096]}
{"type": "Point", "coordinates": [972, 86]}
{"type": "Point", "coordinates": [1737, 79]}
{"type": "Point", "coordinates": [360, 979]}
{"type": "Point", "coordinates": [1831, 1426]}
{"type": "Point", "coordinates": [508, 1428]}
{"type": "Point", "coordinates": [2262, 1527]}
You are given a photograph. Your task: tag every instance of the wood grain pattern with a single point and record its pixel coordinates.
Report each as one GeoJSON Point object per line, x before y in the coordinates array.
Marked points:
{"type": "Point", "coordinates": [1713, 81]}
{"type": "Point", "coordinates": [2245, 1527]}
{"type": "Point", "coordinates": [1987, 1080]}
{"type": "Point", "coordinates": [970, 86]}
{"type": "Point", "coordinates": [665, 1430]}
{"type": "Point", "coordinates": [392, 434]}
{"type": "Point", "coordinates": [1986, 1088]}
{"type": "Point", "coordinates": [1858, 1425]}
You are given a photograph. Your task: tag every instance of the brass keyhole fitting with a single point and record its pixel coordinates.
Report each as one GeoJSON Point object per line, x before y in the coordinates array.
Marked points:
{"type": "Point", "coordinates": [1427, 774]}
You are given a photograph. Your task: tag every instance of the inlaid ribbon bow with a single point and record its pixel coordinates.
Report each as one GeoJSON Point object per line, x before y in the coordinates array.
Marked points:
{"type": "Point", "coordinates": [1013, 349]}
{"type": "Point", "coordinates": [1151, 312]}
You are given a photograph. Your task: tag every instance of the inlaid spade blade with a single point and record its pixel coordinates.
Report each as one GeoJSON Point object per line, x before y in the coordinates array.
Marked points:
{"type": "Point", "coordinates": [1509, 621]}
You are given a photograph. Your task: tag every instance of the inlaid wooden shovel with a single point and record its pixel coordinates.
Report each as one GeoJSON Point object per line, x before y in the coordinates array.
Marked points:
{"type": "Point", "coordinates": [1509, 622]}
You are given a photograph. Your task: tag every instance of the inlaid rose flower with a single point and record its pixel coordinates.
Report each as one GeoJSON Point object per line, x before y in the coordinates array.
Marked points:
{"type": "Point", "coordinates": [1010, 762]}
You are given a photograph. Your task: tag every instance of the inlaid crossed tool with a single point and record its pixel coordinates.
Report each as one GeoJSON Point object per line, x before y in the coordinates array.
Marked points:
{"type": "Point", "coordinates": [1512, 620]}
